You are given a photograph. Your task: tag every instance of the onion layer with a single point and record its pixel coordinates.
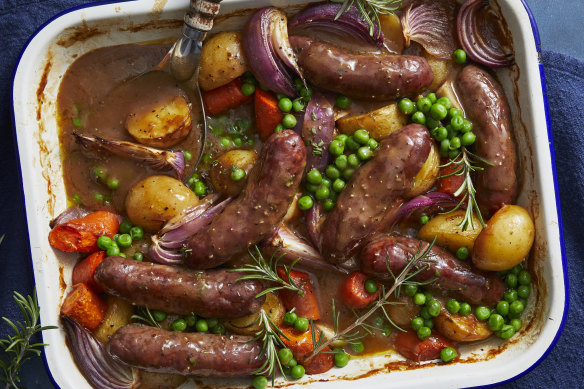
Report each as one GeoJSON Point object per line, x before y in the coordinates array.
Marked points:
{"type": "Point", "coordinates": [474, 43]}
{"type": "Point", "coordinates": [430, 202]}
{"type": "Point", "coordinates": [318, 130]}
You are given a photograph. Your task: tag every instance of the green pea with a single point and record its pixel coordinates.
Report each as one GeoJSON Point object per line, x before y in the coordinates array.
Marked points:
{"type": "Point", "coordinates": [434, 308]}
{"type": "Point", "coordinates": [516, 307]}
{"type": "Point", "coordinates": [378, 321]}
{"type": "Point", "coordinates": [285, 104]}
{"type": "Point", "coordinates": [424, 333]}
{"type": "Point", "coordinates": [432, 123]}
{"type": "Point", "coordinates": [328, 205]}
{"type": "Point", "coordinates": [496, 322]}
{"type": "Point", "coordinates": [371, 286]}
{"type": "Point", "coordinates": [424, 105]}
{"type": "Point", "coordinates": [438, 111]}
{"type": "Point", "coordinates": [419, 117]}
{"type": "Point", "coordinates": [454, 143]}
{"type": "Point", "coordinates": [126, 226]}
{"type": "Point", "coordinates": [361, 136]}
{"type": "Point", "coordinates": [305, 203]}
{"type": "Point", "coordinates": [332, 172]}
{"type": "Point", "coordinates": [138, 257]}
{"type": "Point", "coordinates": [191, 320]}
{"type": "Point", "coordinates": [124, 241]}
{"type": "Point", "coordinates": [200, 188]}
{"type": "Point", "coordinates": [445, 146]}
{"type": "Point", "coordinates": [406, 106]}
{"type": "Point", "coordinates": [338, 185]}
{"type": "Point", "coordinates": [179, 325]}
{"type": "Point", "coordinates": [301, 324]}
{"type": "Point", "coordinates": [419, 299]}
{"type": "Point", "coordinates": [237, 141]}
{"type": "Point", "coordinates": [306, 94]}
{"type": "Point", "coordinates": [386, 330]}
{"type": "Point", "coordinates": [424, 219]}
{"type": "Point", "coordinates": [289, 121]}
{"type": "Point", "coordinates": [466, 126]}
{"type": "Point", "coordinates": [136, 233]}
{"type": "Point", "coordinates": [260, 382]}
{"type": "Point", "coordinates": [98, 197]}
{"type": "Point", "coordinates": [322, 193]}
{"type": "Point", "coordinates": [298, 84]}
{"type": "Point", "coordinates": [448, 354]}
{"type": "Point", "coordinates": [503, 308]}
{"type": "Point", "coordinates": [511, 280]}
{"type": "Point", "coordinates": [445, 101]}
{"type": "Point", "coordinates": [372, 144]}
{"type": "Point", "coordinates": [76, 199]}
{"type": "Point", "coordinates": [293, 362]}
{"type": "Point", "coordinates": [440, 134]}
{"type": "Point", "coordinates": [311, 188]}
{"type": "Point", "coordinates": [158, 315]}
{"type": "Point", "coordinates": [218, 329]}
{"type": "Point", "coordinates": [459, 56]}
{"type": "Point", "coordinates": [424, 313]}
{"type": "Point", "coordinates": [247, 89]}
{"type": "Point", "coordinates": [417, 323]}
{"type": "Point", "coordinates": [524, 278]}
{"type": "Point", "coordinates": [510, 295]}
{"type": "Point", "coordinates": [113, 183]}
{"type": "Point", "coordinates": [347, 173]}
{"type": "Point", "coordinates": [279, 128]}
{"type": "Point", "coordinates": [188, 155]}
{"type": "Point", "coordinates": [314, 177]}
{"type": "Point", "coordinates": [297, 372]}
{"type": "Point", "coordinates": [457, 122]}
{"type": "Point", "coordinates": [453, 112]}
{"type": "Point", "coordinates": [112, 251]}
{"type": "Point", "coordinates": [506, 332]}
{"type": "Point", "coordinates": [212, 322]}
{"type": "Point", "coordinates": [358, 347]}
{"type": "Point", "coordinates": [432, 97]}
{"type": "Point", "coordinates": [342, 137]}
{"type": "Point", "coordinates": [523, 291]}
{"type": "Point", "coordinates": [410, 289]}
{"type": "Point", "coordinates": [336, 147]}
{"type": "Point", "coordinates": [99, 173]}
{"type": "Point", "coordinates": [343, 102]}
{"type": "Point", "coordinates": [516, 324]}
{"type": "Point", "coordinates": [462, 253]}
{"type": "Point", "coordinates": [225, 142]}
{"type": "Point", "coordinates": [453, 306]}
{"type": "Point", "coordinates": [104, 242]}
{"type": "Point", "coordinates": [341, 162]}
{"type": "Point", "coordinates": [202, 325]}
{"type": "Point", "coordinates": [364, 153]}
{"type": "Point", "coordinates": [482, 313]}
{"type": "Point", "coordinates": [285, 355]}
{"type": "Point", "coordinates": [297, 105]}
{"type": "Point", "coordinates": [468, 138]}
{"type": "Point", "coordinates": [122, 255]}
{"type": "Point", "coordinates": [341, 359]}
{"type": "Point", "coordinates": [353, 160]}
{"type": "Point", "coordinates": [465, 309]}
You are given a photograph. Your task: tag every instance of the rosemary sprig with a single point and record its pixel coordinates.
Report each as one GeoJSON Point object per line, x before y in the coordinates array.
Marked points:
{"type": "Point", "coordinates": [145, 317]}
{"type": "Point", "coordinates": [269, 334]}
{"type": "Point", "coordinates": [467, 163]}
{"type": "Point", "coordinates": [266, 270]}
{"type": "Point", "coordinates": [18, 347]}
{"type": "Point", "coordinates": [351, 332]}
{"type": "Point", "coordinates": [370, 10]}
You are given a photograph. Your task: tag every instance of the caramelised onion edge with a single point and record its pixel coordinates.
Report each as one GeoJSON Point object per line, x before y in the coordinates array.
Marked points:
{"type": "Point", "coordinates": [96, 365]}
{"type": "Point", "coordinates": [438, 199]}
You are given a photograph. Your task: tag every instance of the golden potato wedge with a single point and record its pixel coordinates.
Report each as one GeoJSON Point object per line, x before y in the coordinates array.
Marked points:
{"type": "Point", "coordinates": [161, 124]}
{"type": "Point", "coordinates": [156, 199]}
{"type": "Point", "coordinates": [222, 168]}
{"type": "Point", "coordinates": [392, 32]}
{"type": "Point", "coordinates": [117, 315]}
{"type": "Point", "coordinates": [428, 174]}
{"type": "Point", "coordinates": [294, 212]}
{"type": "Point", "coordinates": [150, 380]}
{"type": "Point", "coordinates": [461, 328]}
{"type": "Point", "coordinates": [505, 241]}
{"type": "Point", "coordinates": [448, 232]}
{"type": "Point", "coordinates": [249, 325]}
{"type": "Point", "coordinates": [222, 60]}
{"type": "Point", "coordinates": [380, 123]}
{"type": "Point", "coordinates": [441, 69]}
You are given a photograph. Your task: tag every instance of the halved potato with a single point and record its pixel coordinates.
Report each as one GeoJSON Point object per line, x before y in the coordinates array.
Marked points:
{"type": "Point", "coordinates": [220, 171]}
{"type": "Point", "coordinates": [441, 69]}
{"type": "Point", "coordinates": [461, 328]}
{"type": "Point", "coordinates": [249, 325]}
{"type": "Point", "coordinates": [448, 232]}
{"type": "Point", "coordinates": [117, 315]}
{"type": "Point", "coordinates": [428, 174]}
{"type": "Point", "coordinates": [380, 123]}
{"type": "Point", "coordinates": [222, 60]}
{"type": "Point", "coordinates": [162, 124]}
{"type": "Point", "coordinates": [393, 35]}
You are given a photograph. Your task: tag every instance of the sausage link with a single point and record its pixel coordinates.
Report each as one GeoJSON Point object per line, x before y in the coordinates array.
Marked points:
{"type": "Point", "coordinates": [362, 76]}
{"type": "Point", "coordinates": [211, 293]}
{"type": "Point", "coordinates": [487, 107]}
{"type": "Point", "coordinates": [449, 273]}
{"type": "Point", "coordinates": [255, 214]}
{"type": "Point", "coordinates": [374, 191]}
{"type": "Point", "coordinates": [205, 355]}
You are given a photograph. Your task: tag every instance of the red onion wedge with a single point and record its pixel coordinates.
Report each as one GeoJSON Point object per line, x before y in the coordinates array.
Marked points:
{"type": "Point", "coordinates": [318, 130]}
{"type": "Point", "coordinates": [96, 365]}
{"type": "Point", "coordinates": [432, 24]}
{"type": "Point", "coordinates": [167, 246]}
{"type": "Point", "coordinates": [268, 52]}
{"type": "Point", "coordinates": [314, 220]}
{"type": "Point", "coordinates": [69, 214]}
{"type": "Point", "coordinates": [430, 202]}
{"type": "Point", "coordinates": [155, 158]}
{"type": "Point", "coordinates": [334, 19]}
{"type": "Point", "coordinates": [488, 52]}
{"type": "Point", "coordinates": [291, 247]}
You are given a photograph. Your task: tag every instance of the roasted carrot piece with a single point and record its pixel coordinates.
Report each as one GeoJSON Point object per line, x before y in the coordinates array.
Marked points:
{"type": "Point", "coordinates": [301, 345]}
{"type": "Point", "coordinates": [450, 184]}
{"type": "Point", "coordinates": [307, 305]}
{"type": "Point", "coordinates": [410, 346]}
{"type": "Point", "coordinates": [80, 235]}
{"type": "Point", "coordinates": [224, 98]}
{"type": "Point", "coordinates": [85, 306]}
{"type": "Point", "coordinates": [352, 291]}
{"type": "Point", "coordinates": [267, 113]}
{"type": "Point", "coordinates": [84, 270]}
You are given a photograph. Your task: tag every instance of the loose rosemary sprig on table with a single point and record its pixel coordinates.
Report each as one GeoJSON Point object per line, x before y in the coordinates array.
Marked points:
{"type": "Point", "coordinates": [266, 270]}
{"type": "Point", "coordinates": [370, 10]}
{"type": "Point", "coordinates": [18, 347]}
{"type": "Point", "coordinates": [269, 334]}
{"type": "Point", "coordinates": [467, 163]}
{"type": "Point", "coordinates": [351, 334]}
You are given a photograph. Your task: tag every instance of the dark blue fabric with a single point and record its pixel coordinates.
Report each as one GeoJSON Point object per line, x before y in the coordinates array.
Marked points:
{"type": "Point", "coordinates": [562, 368]}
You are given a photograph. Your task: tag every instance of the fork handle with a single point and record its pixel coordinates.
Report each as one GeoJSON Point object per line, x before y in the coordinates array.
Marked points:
{"type": "Point", "coordinates": [201, 14]}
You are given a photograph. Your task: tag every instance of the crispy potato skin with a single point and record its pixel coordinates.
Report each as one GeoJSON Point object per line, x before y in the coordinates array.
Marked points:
{"type": "Point", "coordinates": [222, 60]}
{"type": "Point", "coordinates": [446, 228]}
{"type": "Point", "coordinates": [461, 328]}
{"type": "Point", "coordinates": [380, 123]}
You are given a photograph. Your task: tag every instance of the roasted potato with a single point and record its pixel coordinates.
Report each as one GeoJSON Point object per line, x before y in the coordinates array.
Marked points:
{"type": "Point", "coordinates": [222, 60]}
{"type": "Point", "coordinates": [447, 90]}
{"type": "Point", "coordinates": [393, 35]}
{"type": "Point", "coordinates": [506, 239]}
{"type": "Point", "coordinates": [161, 124]}
{"type": "Point", "coordinates": [441, 69]}
{"type": "Point", "coordinates": [249, 325]}
{"type": "Point", "coordinates": [448, 232]}
{"type": "Point", "coordinates": [428, 174]}
{"type": "Point", "coordinates": [461, 328]}
{"type": "Point", "coordinates": [156, 199]}
{"type": "Point", "coordinates": [117, 315]}
{"type": "Point", "coordinates": [221, 170]}
{"type": "Point", "coordinates": [380, 123]}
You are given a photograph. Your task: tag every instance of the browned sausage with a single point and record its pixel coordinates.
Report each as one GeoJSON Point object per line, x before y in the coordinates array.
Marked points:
{"type": "Point", "coordinates": [373, 191]}
{"type": "Point", "coordinates": [205, 355]}
{"type": "Point", "coordinates": [362, 76]}
{"type": "Point", "coordinates": [487, 107]}
{"type": "Point", "coordinates": [449, 273]}
{"type": "Point", "coordinates": [255, 214]}
{"type": "Point", "coordinates": [211, 293]}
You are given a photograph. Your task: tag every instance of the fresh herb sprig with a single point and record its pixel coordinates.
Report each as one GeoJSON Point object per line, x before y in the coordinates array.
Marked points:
{"type": "Point", "coordinates": [351, 334]}
{"type": "Point", "coordinates": [269, 335]}
{"type": "Point", "coordinates": [263, 269]}
{"type": "Point", "coordinates": [145, 317]}
{"type": "Point", "coordinates": [18, 347]}
{"type": "Point", "coordinates": [467, 163]}
{"type": "Point", "coordinates": [370, 10]}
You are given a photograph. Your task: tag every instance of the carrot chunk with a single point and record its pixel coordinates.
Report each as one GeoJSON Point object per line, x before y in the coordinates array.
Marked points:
{"type": "Point", "coordinates": [307, 305]}
{"type": "Point", "coordinates": [352, 291]}
{"type": "Point", "coordinates": [85, 306]}
{"type": "Point", "coordinates": [267, 113]}
{"type": "Point", "coordinates": [80, 235]}
{"type": "Point", "coordinates": [449, 184]}
{"type": "Point", "coordinates": [83, 272]}
{"type": "Point", "coordinates": [224, 98]}
{"type": "Point", "coordinates": [300, 343]}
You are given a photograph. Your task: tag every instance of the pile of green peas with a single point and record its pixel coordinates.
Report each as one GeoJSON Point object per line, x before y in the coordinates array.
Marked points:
{"type": "Point", "coordinates": [349, 153]}
{"type": "Point", "coordinates": [191, 323]}
{"type": "Point", "coordinates": [288, 105]}
{"type": "Point", "coordinates": [197, 185]}
{"type": "Point", "coordinates": [124, 239]}
{"type": "Point", "coordinates": [290, 366]}
{"type": "Point", "coordinates": [446, 124]}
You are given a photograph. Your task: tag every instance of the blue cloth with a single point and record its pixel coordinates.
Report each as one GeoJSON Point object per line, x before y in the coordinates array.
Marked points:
{"type": "Point", "coordinates": [562, 368]}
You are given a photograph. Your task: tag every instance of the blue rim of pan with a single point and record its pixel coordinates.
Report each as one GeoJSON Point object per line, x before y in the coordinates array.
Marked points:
{"type": "Point", "coordinates": [550, 141]}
